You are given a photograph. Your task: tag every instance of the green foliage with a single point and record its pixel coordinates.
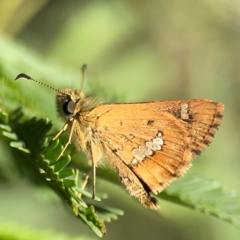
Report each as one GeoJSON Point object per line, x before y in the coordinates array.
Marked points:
{"type": "Point", "coordinates": [28, 136]}
{"type": "Point", "coordinates": [206, 196]}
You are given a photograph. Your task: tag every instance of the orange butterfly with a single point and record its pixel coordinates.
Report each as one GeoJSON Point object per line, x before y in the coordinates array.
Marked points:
{"type": "Point", "coordinates": [148, 144]}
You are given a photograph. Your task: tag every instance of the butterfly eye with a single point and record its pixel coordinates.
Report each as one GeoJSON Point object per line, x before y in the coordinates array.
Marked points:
{"type": "Point", "coordinates": [69, 107]}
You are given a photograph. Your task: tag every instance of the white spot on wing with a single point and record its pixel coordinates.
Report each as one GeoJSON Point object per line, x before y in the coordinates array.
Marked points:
{"type": "Point", "coordinates": [156, 143]}
{"type": "Point", "coordinates": [124, 139]}
{"type": "Point", "coordinates": [134, 162]}
{"type": "Point", "coordinates": [131, 136]}
{"type": "Point", "coordinates": [153, 145]}
{"type": "Point", "coordinates": [158, 140]}
{"type": "Point", "coordinates": [146, 150]}
{"type": "Point", "coordinates": [184, 111]}
{"type": "Point", "coordinates": [138, 154]}
{"type": "Point", "coordinates": [159, 134]}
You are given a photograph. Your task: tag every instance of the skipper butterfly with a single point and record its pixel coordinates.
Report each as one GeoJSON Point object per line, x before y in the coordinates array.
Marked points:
{"type": "Point", "coordinates": [148, 144]}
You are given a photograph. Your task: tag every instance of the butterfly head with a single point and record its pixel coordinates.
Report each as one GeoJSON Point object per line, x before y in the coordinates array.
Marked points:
{"type": "Point", "coordinates": [67, 102]}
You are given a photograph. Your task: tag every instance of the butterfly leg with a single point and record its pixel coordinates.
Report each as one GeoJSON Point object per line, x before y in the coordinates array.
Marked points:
{"type": "Point", "coordinates": [94, 180]}
{"type": "Point", "coordinates": [94, 158]}
{"type": "Point", "coordinates": [84, 184]}
{"type": "Point", "coordinates": [69, 139]}
{"type": "Point", "coordinates": [65, 127]}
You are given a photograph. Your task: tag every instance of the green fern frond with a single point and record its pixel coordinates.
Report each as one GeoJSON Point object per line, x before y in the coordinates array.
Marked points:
{"type": "Point", "coordinates": [28, 136]}
{"type": "Point", "coordinates": [206, 196]}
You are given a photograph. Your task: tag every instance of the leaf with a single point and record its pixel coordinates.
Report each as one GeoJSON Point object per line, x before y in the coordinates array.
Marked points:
{"type": "Point", "coordinates": [62, 163]}
{"type": "Point", "coordinates": [3, 117]}
{"type": "Point", "coordinates": [66, 173]}
{"type": "Point", "coordinates": [206, 196]}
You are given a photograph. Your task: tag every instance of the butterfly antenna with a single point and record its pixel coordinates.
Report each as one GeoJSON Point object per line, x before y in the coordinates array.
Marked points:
{"type": "Point", "coordinates": [83, 70]}
{"type": "Point", "coordinates": [23, 75]}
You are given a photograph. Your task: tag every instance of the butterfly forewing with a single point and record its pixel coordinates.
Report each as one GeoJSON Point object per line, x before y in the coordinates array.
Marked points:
{"type": "Point", "coordinates": [151, 144]}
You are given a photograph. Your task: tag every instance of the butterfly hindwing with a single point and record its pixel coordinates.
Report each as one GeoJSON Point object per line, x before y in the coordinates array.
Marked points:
{"type": "Point", "coordinates": [155, 142]}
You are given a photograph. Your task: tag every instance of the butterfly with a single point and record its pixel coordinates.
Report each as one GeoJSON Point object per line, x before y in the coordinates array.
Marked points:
{"type": "Point", "coordinates": [148, 144]}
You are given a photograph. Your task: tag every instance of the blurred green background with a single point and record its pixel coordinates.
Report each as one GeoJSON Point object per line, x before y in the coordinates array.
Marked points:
{"type": "Point", "coordinates": [135, 51]}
